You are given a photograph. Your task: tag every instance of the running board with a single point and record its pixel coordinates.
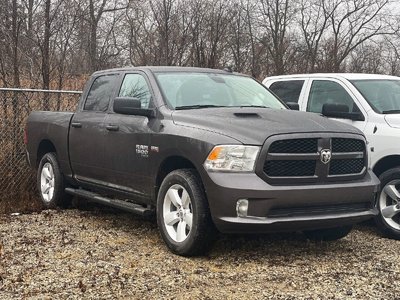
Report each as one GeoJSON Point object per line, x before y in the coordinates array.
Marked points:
{"type": "Point", "coordinates": [124, 205]}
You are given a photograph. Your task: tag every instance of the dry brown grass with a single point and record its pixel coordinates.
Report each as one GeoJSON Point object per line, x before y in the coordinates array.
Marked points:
{"type": "Point", "coordinates": [107, 254]}
{"type": "Point", "coordinates": [70, 82]}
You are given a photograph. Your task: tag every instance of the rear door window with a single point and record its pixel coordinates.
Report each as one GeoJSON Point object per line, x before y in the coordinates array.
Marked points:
{"type": "Point", "coordinates": [288, 91]}
{"type": "Point", "coordinates": [100, 93]}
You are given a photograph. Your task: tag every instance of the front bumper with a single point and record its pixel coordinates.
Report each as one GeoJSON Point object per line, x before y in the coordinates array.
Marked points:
{"type": "Point", "coordinates": [288, 208]}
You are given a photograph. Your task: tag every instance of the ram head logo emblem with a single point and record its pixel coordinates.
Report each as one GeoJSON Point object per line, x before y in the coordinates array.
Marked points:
{"type": "Point", "coordinates": [326, 155]}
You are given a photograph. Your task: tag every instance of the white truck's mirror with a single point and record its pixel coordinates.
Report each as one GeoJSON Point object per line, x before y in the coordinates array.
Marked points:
{"type": "Point", "coordinates": [341, 111]}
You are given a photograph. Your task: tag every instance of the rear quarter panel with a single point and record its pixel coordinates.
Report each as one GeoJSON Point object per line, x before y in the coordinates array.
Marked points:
{"type": "Point", "coordinates": [52, 127]}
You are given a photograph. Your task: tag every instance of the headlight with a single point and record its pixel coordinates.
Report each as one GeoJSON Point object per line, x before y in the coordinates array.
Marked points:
{"type": "Point", "coordinates": [232, 158]}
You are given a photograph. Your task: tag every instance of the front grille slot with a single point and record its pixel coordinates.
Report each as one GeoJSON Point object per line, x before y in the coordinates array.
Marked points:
{"type": "Point", "coordinates": [318, 210]}
{"type": "Point", "coordinates": [300, 159]}
{"type": "Point", "coordinates": [347, 145]}
{"type": "Point", "coordinates": [290, 168]}
{"type": "Point", "coordinates": [295, 146]}
{"type": "Point", "coordinates": [346, 166]}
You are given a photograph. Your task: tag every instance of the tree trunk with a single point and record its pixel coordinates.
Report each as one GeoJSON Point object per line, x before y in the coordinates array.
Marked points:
{"type": "Point", "coordinates": [46, 54]}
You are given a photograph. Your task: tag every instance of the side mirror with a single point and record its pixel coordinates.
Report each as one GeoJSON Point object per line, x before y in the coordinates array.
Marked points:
{"type": "Point", "coordinates": [341, 111]}
{"type": "Point", "coordinates": [293, 105]}
{"type": "Point", "coordinates": [131, 106]}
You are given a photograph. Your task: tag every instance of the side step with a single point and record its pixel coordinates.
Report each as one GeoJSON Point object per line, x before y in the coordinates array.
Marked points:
{"type": "Point", "coordinates": [127, 206]}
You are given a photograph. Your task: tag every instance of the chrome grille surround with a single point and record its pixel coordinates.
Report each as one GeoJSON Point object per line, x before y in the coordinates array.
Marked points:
{"type": "Point", "coordinates": [304, 164]}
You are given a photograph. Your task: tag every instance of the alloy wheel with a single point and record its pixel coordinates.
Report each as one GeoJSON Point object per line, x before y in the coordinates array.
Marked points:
{"type": "Point", "coordinates": [389, 202]}
{"type": "Point", "coordinates": [177, 213]}
{"type": "Point", "coordinates": [47, 181]}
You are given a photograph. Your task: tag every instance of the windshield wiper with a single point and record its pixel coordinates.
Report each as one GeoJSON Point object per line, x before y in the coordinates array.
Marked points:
{"type": "Point", "coordinates": [197, 106]}
{"type": "Point", "coordinates": [392, 111]}
{"type": "Point", "coordinates": [260, 106]}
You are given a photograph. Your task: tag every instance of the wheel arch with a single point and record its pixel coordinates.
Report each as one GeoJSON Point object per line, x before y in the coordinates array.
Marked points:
{"type": "Point", "coordinates": [170, 164]}
{"type": "Point", "coordinates": [45, 146]}
{"type": "Point", "coordinates": [386, 163]}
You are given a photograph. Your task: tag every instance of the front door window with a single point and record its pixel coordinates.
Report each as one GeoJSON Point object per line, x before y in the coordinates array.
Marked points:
{"type": "Point", "coordinates": [331, 92]}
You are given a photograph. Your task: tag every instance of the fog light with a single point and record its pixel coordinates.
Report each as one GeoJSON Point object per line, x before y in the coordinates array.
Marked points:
{"type": "Point", "coordinates": [241, 207]}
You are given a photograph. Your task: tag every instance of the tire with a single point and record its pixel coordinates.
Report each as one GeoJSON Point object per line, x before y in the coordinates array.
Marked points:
{"type": "Point", "coordinates": [181, 200]}
{"type": "Point", "coordinates": [51, 183]}
{"type": "Point", "coordinates": [328, 234]}
{"type": "Point", "coordinates": [388, 204]}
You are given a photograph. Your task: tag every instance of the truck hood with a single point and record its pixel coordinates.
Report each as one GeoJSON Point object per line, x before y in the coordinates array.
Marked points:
{"type": "Point", "coordinates": [253, 125]}
{"type": "Point", "coordinates": [393, 120]}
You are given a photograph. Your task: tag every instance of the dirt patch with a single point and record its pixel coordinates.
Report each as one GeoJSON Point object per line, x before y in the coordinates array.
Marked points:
{"type": "Point", "coordinates": [106, 254]}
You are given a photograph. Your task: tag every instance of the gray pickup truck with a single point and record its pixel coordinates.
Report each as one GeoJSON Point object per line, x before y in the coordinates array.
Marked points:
{"type": "Point", "coordinates": [205, 151]}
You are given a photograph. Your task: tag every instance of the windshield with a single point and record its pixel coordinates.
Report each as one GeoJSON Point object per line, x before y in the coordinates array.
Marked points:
{"type": "Point", "coordinates": [186, 90]}
{"type": "Point", "coordinates": [382, 94]}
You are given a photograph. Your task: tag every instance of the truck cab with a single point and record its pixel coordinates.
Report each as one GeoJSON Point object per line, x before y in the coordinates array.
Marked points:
{"type": "Point", "coordinates": [372, 104]}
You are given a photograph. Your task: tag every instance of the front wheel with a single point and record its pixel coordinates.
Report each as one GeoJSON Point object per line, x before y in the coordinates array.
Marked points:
{"type": "Point", "coordinates": [51, 183]}
{"type": "Point", "coordinates": [388, 220]}
{"type": "Point", "coordinates": [183, 214]}
{"type": "Point", "coordinates": [328, 234]}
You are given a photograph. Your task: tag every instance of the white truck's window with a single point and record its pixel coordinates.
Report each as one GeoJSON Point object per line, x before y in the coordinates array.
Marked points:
{"type": "Point", "coordinates": [135, 85]}
{"type": "Point", "coordinates": [100, 93]}
{"type": "Point", "coordinates": [288, 91]}
{"type": "Point", "coordinates": [326, 91]}
{"type": "Point", "coordinates": [383, 95]}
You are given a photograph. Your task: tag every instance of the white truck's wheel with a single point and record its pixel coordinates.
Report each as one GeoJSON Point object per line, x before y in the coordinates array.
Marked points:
{"type": "Point", "coordinates": [388, 220]}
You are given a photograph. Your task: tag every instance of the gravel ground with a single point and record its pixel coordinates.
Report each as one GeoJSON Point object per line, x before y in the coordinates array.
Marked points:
{"type": "Point", "coordinates": [106, 254]}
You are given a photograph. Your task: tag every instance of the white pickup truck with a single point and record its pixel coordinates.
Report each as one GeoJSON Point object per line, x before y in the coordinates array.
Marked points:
{"type": "Point", "coordinates": [372, 104]}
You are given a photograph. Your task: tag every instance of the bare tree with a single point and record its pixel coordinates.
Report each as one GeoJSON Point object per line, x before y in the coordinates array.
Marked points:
{"type": "Point", "coordinates": [239, 37]}
{"type": "Point", "coordinates": [313, 21]}
{"type": "Point", "coordinates": [47, 42]}
{"type": "Point", "coordinates": [276, 16]}
{"type": "Point", "coordinates": [351, 23]}
{"type": "Point", "coordinates": [15, 27]}
{"type": "Point", "coordinates": [97, 8]}
{"type": "Point", "coordinates": [209, 33]}
{"type": "Point", "coordinates": [368, 58]}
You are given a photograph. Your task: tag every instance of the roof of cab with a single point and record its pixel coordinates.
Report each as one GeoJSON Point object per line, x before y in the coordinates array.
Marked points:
{"type": "Point", "coordinates": [167, 69]}
{"type": "Point", "coordinates": [348, 76]}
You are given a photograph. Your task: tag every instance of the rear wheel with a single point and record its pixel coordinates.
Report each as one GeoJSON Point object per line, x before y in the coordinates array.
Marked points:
{"type": "Point", "coordinates": [328, 234]}
{"type": "Point", "coordinates": [51, 183]}
{"type": "Point", "coordinates": [388, 220]}
{"type": "Point", "coordinates": [183, 215]}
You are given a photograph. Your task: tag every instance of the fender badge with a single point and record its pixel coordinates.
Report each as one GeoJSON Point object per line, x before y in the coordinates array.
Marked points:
{"type": "Point", "coordinates": [154, 149]}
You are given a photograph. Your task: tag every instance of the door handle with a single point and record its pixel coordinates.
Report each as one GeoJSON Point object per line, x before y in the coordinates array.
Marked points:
{"type": "Point", "coordinates": [76, 125]}
{"type": "Point", "coordinates": [111, 127]}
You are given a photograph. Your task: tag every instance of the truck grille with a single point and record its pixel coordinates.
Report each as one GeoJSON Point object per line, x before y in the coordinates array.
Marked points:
{"type": "Point", "coordinates": [316, 159]}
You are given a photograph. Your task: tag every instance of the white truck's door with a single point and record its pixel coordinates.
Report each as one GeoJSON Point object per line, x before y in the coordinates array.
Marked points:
{"type": "Point", "coordinates": [321, 91]}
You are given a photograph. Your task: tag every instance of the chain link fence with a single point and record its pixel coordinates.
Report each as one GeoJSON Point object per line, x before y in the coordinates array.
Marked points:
{"type": "Point", "coordinates": [17, 181]}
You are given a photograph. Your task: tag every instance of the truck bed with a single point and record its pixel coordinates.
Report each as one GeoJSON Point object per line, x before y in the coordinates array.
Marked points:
{"type": "Point", "coordinates": [48, 126]}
